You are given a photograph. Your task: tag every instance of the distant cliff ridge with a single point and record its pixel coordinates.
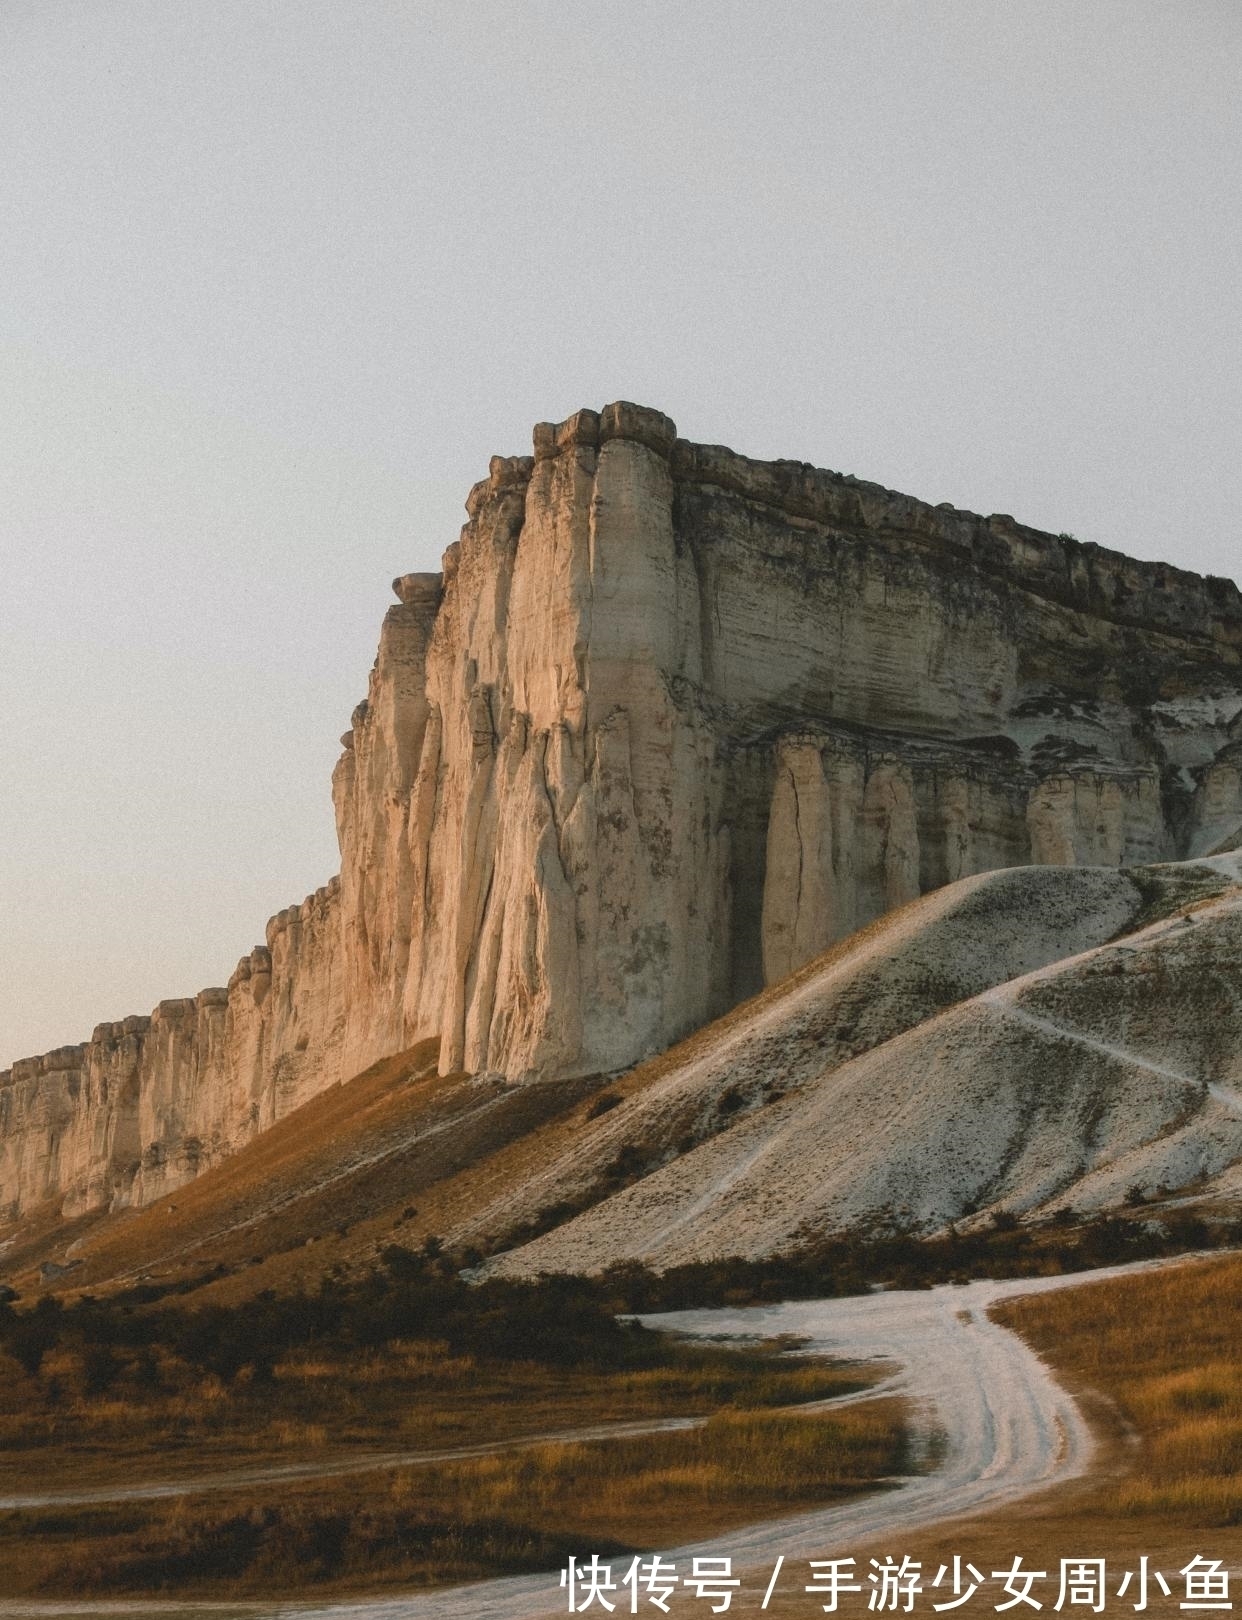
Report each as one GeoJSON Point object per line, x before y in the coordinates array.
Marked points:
{"type": "Point", "coordinates": [668, 723]}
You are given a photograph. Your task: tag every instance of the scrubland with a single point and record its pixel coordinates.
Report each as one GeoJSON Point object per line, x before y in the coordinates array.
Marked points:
{"type": "Point", "coordinates": [341, 1383]}
{"type": "Point", "coordinates": [454, 1521]}
{"type": "Point", "coordinates": [342, 1386]}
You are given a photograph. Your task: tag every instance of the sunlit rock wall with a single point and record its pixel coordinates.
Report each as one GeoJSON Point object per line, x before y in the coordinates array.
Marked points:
{"type": "Point", "coordinates": [147, 1103]}
{"type": "Point", "coordinates": [685, 719]}
{"type": "Point", "coordinates": [668, 723]}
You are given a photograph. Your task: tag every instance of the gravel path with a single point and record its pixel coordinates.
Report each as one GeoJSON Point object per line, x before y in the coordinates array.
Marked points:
{"type": "Point", "coordinates": [1006, 1429]}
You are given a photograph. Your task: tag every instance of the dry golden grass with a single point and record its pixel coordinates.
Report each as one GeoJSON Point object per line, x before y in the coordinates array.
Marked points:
{"type": "Point", "coordinates": [1156, 1359]}
{"type": "Point", "coordinates": [1166, 1347]}
{"type": "Point", "coordinates": [357, 1167]}
{"type": "Point", "coordinates": [452, 1521]}
{"type": "Point", "coordinates": [738, 1468]}
{"type": "Point", "coordinates": [408, 1396]}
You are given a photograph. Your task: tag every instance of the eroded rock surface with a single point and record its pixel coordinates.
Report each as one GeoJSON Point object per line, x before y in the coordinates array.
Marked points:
{"type": "Point", "coordinates": [668, 723]}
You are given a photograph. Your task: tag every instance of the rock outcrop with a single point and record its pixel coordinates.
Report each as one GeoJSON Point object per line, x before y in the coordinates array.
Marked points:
{"type": "Point", "coordinates": [686, 719]}
{"type": "Point", "coordinates": [668, 723]}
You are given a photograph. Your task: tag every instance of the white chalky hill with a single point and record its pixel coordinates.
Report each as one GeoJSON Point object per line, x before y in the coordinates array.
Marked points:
{"type": "Point", "coordinates": [1019, 1041]}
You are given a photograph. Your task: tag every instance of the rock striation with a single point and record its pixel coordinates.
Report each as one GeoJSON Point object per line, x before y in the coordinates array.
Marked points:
{"type": "Point", "coordinates": [667, 724]}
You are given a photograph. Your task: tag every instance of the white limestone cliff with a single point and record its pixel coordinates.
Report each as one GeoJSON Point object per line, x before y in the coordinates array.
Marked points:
{"type": "Point", "coordinates": [668, 723]}
{"type": "Point", "coordinates": [147, 1103]}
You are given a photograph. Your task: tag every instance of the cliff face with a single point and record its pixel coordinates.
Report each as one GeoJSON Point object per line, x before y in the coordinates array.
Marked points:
{"type": "Point", "coordinates": [685, 719]}
{"type": "Point", "coordinates": [669, 722]}
{"type": "Point", "coordinates": [552, 829]}
{"type": "Point", "coordinates": [147, 1103]}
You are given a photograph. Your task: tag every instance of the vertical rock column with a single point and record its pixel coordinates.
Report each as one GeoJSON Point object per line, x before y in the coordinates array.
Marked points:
{"type": "Point", "coordinates": [655, 922]}
{"type": "Point", "coordinates": [457, 802]}
{"type": "Point", "coordinates": [843, 848]}
{"type": "Point", "coordinates": [520, 987]}
{"type": "Point", "coordinates": [1084, 818]}
{"type": "Point", "coordinates": [371, 792]}
{"type": "Point", "coordinates": [569, 870]}
{"type": "Point", "coordinates": [1216, 810]}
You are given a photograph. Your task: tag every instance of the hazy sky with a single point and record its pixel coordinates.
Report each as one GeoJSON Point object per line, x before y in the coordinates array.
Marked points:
{"type": "Point", "coordinates": [277, 278]}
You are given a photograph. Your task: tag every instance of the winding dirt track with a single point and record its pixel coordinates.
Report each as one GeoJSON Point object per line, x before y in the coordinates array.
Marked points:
{"type": "Point", "coordinates": [1007, 1427]}
{"type": "Point", "coordinates": [367, 1462]}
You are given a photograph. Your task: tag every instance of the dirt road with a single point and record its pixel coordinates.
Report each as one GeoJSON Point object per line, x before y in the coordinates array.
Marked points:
{"type": "Point", "coordinates": [366, 1462]}
{"type": "Point", "coordinates": [990, 1412]}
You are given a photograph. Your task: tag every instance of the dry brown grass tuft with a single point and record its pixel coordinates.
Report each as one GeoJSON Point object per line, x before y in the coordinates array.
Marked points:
{"type": "Point", "coordinates": [1166, 1347]}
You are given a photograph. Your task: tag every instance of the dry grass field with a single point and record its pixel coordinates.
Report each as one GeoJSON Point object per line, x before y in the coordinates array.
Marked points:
{"type": "Point", "coordinates": [353, 1393]}
{"type": "Point", "coordinates": [413, 1396]}
{"type": "Point", "coordinates": [458, 1520]}
{"type": "Point", "coordinates": [1156, 1359]}
{"type": "Point", "coordinates": [1166, 1348]}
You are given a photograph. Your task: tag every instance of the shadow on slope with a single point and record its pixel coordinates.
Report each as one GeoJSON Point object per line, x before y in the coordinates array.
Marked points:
{"type": "Point", "coordinates": [321, 1191]}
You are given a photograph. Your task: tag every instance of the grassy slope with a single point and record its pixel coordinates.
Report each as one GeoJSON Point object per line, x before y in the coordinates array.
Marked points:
{"type": "Point", "coordinates": [384, 1156]}
{"type": "Point", "coordinates": [401, 1153]}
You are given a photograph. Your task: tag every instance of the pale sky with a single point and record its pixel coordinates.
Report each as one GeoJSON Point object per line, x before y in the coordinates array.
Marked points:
{"type": "Point", "coordinates": [278, 276]}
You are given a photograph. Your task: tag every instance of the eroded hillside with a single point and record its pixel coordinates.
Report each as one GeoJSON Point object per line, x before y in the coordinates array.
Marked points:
{"type": "Point", "coordinates": [1109, 1071]}
{"type": "Point", "coordinates": [1022, 1042]}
